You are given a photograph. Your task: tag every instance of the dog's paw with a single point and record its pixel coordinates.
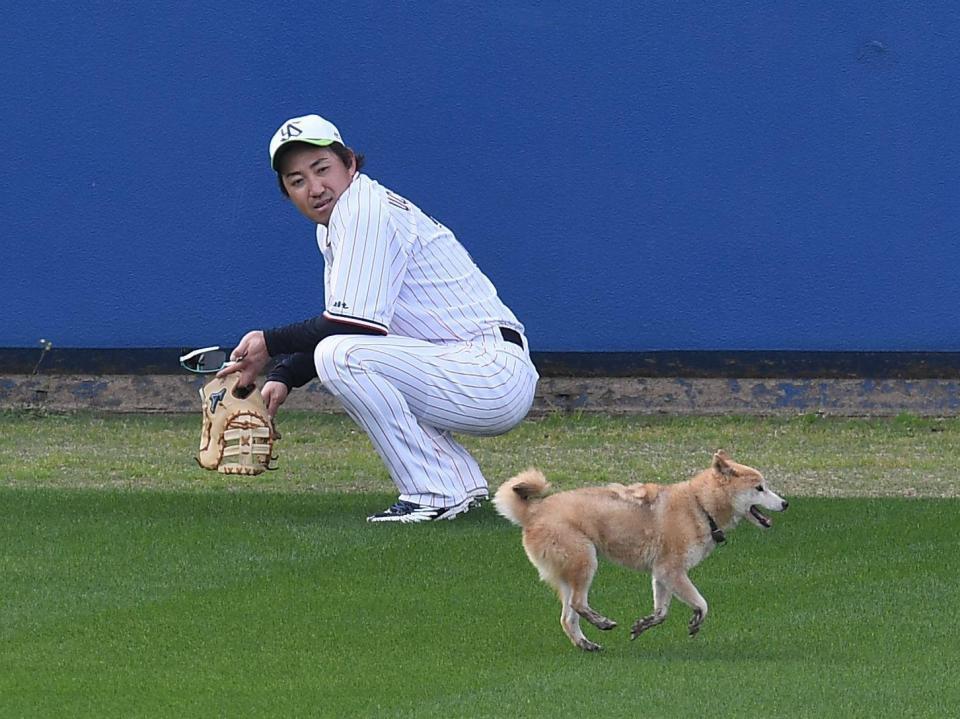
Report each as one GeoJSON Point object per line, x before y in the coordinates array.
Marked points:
{"type": "Point", "coordinates": [642, 625]}
{"type": "Point", "coordinates": [695, 622]}
{"type": "Point", "coordinates": [588, 646]}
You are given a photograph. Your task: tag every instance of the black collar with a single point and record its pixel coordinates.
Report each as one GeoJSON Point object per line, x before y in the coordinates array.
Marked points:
{"type": "Point", "coordinates": [718, 536]}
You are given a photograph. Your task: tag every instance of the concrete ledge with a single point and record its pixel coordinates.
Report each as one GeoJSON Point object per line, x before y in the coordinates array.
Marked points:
{"type": "Point", "coordinates": [842, 397]}
{"type": "Point", "coordinates": [617, 395]}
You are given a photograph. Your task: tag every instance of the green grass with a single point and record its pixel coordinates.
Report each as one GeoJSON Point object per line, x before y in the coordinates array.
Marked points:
{"type": "Point", "coordinates": [135, 585]}
{"type": "Point", "coordinates": [805, 455]}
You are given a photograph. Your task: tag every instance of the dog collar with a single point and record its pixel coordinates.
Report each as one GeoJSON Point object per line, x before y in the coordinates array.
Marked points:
{"type": "Point", "coordinates": [718, 536]}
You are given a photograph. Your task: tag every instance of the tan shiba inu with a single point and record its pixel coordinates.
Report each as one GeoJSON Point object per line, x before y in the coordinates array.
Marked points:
{"type": "Point", "coordinates": [665, 529]}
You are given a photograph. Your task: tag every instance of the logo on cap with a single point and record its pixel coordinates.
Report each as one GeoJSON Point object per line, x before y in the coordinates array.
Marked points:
{"type": "Point", "coordinates": [289, 132]}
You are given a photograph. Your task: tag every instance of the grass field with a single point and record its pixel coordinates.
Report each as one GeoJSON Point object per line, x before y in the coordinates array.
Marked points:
{"type": "Point", "coordinates": [136, 585]}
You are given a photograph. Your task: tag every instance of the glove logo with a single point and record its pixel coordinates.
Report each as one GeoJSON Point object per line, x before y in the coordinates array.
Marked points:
{"type": "Point", "coordinates": [216, 399]}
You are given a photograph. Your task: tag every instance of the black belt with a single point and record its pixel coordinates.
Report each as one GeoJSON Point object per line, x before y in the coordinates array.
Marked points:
{"type": "Point", "coordinates": [512, 336]}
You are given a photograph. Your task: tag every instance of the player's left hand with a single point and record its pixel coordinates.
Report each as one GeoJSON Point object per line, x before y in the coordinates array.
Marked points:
{"type": "Point", "coordinates": [274, 394]}
{"type": "Point", "coordinates": [249, 358]}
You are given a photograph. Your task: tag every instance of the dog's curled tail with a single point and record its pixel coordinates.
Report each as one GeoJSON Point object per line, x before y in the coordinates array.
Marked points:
{"type": "Point", "coordinates": [512, 499]}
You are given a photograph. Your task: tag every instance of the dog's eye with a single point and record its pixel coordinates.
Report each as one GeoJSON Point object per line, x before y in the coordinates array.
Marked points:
{"type": "Point", "coordinates": [759, 487]}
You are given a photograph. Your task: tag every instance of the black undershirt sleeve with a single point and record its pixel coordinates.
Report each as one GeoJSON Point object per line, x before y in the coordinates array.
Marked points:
{"type": "Point", "coordinates": [293, 370]}
{"type": "Point", "coordinates": [297, 342]}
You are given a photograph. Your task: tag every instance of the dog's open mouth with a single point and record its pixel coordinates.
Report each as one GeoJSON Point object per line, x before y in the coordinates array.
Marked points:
{"type": "Point", "coordinates": [759, 518]}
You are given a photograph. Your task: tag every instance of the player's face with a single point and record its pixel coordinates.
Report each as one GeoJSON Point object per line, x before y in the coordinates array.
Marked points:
{"type": "Point", "coordinates": [315, 178]}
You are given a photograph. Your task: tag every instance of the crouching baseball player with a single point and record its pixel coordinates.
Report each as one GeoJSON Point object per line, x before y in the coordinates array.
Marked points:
{"type": "Point", "coordinates": [414, 341]}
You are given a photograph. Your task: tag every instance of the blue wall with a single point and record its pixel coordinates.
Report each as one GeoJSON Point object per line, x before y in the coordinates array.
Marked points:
{"type": "Point", "coordinates": [632, 176]}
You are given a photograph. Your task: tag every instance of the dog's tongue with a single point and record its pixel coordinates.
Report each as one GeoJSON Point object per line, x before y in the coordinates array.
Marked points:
{"type": "Point", "coordinates": [760, 517]}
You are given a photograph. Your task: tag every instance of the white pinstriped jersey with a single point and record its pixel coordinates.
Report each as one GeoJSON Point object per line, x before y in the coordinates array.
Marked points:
{"type": "Point", "coordinates": [390, 266]}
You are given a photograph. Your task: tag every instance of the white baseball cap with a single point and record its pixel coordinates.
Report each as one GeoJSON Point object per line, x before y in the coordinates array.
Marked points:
{"type": "Point", "coordinates": [312, 129]}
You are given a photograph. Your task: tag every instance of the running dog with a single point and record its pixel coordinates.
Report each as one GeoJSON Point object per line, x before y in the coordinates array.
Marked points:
{"type": "Point", "coordinates": [662, 529]}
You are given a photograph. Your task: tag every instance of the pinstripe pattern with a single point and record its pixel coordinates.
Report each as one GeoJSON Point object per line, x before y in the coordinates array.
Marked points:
{"type": "Point", "coordinates": [442, 367]}
{"type": "Point", "coordinates": [409, 395]}
{"type": "Point", "coordinates": [389, 264]}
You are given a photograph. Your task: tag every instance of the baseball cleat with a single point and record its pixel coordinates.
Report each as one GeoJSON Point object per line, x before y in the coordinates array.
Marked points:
{"type": "Point", "coordinates": [477, 502]}
{"type": "Point", "coordinates": [410, 513]}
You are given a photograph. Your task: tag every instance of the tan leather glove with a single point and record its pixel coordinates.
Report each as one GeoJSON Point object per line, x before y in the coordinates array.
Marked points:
{"type": "Point", "coordinates": [237, 435]}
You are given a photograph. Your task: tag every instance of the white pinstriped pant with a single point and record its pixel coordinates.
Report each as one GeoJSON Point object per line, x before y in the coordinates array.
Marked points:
{"type": "Point", "coordinates": [408, 395]}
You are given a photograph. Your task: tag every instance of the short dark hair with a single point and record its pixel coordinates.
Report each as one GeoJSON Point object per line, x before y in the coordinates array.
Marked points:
{"type": "Point", "coordinates": [337, 148]}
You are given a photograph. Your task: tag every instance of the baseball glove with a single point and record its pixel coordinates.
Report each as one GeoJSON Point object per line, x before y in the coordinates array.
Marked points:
{"type": "Point", "coordinates": [237, 435]}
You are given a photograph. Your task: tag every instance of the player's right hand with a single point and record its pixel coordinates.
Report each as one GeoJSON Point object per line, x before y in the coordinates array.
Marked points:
{"type": "Point", "coordinates": [248, 358]}
{"type": "Point", "coordinates": [274, 394]}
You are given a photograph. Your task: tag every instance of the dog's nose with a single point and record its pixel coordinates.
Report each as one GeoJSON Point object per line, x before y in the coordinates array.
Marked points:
{"type": "Point", "coordinates": [785, 505]}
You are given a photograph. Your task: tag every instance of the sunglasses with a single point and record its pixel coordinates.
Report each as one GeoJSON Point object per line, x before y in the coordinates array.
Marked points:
{"type": "Point", "coordinates": [206, 360]}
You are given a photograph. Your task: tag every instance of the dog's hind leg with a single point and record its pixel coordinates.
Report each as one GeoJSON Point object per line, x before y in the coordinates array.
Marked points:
{"type": "Point", "coordinates": [595, 618]}
{"type": "Point", "coordinates": [567, 562]}
{"type": "Point", "coordinates": [570, 620]}
{"type": "Point", "coordinates": [581, 581]}
{"type": "Point", "coordinates": [573, 578]}
{"type": "Point", "coordinates": [661, 605]}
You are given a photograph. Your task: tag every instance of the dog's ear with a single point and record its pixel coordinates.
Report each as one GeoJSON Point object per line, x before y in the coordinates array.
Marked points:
{"type": "Point", "coordinates": [721, 464]}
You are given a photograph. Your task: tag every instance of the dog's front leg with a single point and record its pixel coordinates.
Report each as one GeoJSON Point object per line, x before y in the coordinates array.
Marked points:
{"type": "Point", "coordinates": [689, 595]}
{"type": "Point", "coordinates": [661, 605]}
